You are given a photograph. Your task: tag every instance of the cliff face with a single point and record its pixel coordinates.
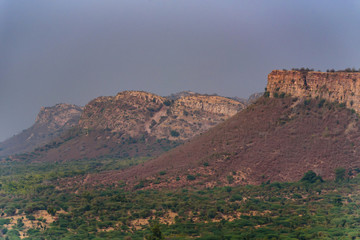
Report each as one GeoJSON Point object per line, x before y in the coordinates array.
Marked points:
{"type": "Point", "coordinates": [343, 87]}
{"type": "Point", "coordinates": [58, 116]}
{"type": "Point", "coordinates": [50, 123]}
{"type": "Point", "coordinates": [135, 113]}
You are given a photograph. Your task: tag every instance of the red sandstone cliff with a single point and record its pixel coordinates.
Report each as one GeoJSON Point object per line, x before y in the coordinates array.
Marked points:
{"type": "Point", "coordinates": [343, 87]}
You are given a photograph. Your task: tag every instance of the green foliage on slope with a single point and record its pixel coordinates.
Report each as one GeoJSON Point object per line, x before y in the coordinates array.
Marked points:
{"type": "Point", "coordinates": [308, 209]}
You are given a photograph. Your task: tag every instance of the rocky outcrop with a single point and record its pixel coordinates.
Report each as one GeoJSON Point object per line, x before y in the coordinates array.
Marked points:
{"type": "Point", "coordinates": [50, 123]}
{"type": "Point", "coordinates": [176, 96]}
{"type": "Point", "coordinates": [136, 113]}
{"type": "Point", "coordinates": [342, 87]}
{"type": "Point", "coordinates": [58, 116]}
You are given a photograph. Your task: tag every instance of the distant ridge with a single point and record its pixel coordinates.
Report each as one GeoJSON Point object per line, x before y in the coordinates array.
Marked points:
{"type": "Point", "coordinates": [136, 124]}
{"type": "Point", "coordinates": [50, 123]}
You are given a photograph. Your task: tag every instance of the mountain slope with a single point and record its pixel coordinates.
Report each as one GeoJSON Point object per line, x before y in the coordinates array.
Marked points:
{"type": "Point", "coordinates": [134, 124]}
{"type": "Point", "coordinates": [276, 139]}
{"type": "Point", "coordinates": [50, 123]}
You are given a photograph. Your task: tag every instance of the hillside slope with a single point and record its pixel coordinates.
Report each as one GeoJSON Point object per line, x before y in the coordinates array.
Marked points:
{"type": "Point", "coordinates": [50, 123]}
{"type": "Point", "coordinates": [137, 124]}
{"type": "Point", "coordinates": [276, 139]}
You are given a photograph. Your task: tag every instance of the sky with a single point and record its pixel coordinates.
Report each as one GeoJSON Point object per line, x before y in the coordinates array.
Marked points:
{"type": "Point", "coordinates": [66, 51]}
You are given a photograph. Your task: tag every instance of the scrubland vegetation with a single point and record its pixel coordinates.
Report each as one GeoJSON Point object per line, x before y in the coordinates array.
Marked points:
{"type": "Point", "coordinates": [33, 205]}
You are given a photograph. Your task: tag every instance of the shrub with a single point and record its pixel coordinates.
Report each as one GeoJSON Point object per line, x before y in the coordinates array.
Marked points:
{"type": "Point", "coordinates": [307, 102]}
{"type": "Point", "coordinates": [236, 197]}
{"type": "Point", "coordinates": [51, 211]}
{"type": "Point", "coordinates": [190, 177]}
{"type": "Point", "coordinates": [156, 233]}
{"type": "Point", "coordinates": [342, 105]}
{"type": "Point", "coordinates": [174, 133]}
{"type": "Point", "coordinates": [311, 177]}
{"type": "Point", "coordinates": [30, 217]}
{"type": "Point", "coordinates": [339, 174]}
{"type": "Point", "coordinates": [230, 179]}
{"type": "Point", "coordinates": [211, 213]}
{"type": "Point", "coordinates": [167, 102]}
{"type": "Point", "coordinates": [321, 103]}
{"type": "Point", "coordinates": [140, 185]}
{"type": "Point", "coordinates": [4, 221]}
{"type": "Point", "coordinates": [19, 223]}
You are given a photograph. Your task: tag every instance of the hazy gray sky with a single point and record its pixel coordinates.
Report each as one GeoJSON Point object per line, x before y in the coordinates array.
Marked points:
{"type": "Point", "coordinates": [73, 51]}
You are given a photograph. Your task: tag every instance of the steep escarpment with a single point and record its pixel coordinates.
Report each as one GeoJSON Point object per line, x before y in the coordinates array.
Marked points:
{"type": "Point", "coordinates": [137, 124]}
{"type": "Point", "coordinates": [275, 139]}
{"type": "Point", "coordinates": [342, 87]}
{"type": "Point", "coordinates": [50, 123]}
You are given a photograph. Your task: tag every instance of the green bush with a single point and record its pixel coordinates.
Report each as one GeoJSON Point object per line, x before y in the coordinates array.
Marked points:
{"type": "Point", "coordinates": [311, 177]}
{"type": "Point", "coordinates": [30, 217]}
{"type": "Point", "coordinates": [230, 179]}
{"type": "Point", "coordinates": [4, 221]}
{"type": "Point", "coordinates": [282, 95]}
{"type": "Point", "coordinates": [174, 133]}
{"type": "Point", "coordinates": [167, 102]}
{"type": "Point", "coordinates": [340, 174]}
{"type": "Point", "coordinates": [190, 177]}
{"type": "Point", "coordinates": [236, 197]}
{"type": "Point", "coordinates": [307, 102]}
{"type": "Point", "coordinates": [321, 103]}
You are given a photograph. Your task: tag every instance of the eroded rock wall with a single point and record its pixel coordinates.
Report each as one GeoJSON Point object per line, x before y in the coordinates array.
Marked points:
{"type": "Point", "coordinates": [342, 87]}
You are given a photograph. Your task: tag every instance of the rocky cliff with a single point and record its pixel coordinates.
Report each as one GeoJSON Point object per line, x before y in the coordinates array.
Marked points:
{"type": "Point", "coordinates": [136, 113]}
{"type": "Point", "coordinates": [50, 123]}
{"type": "Point", "coordinates": [342, 87]}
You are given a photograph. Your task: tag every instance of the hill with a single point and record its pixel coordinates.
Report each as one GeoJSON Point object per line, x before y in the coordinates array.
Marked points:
{"type": "Point", "coordinates": [50, 123]}
{"type": "Point", "coordinates": [303, 126]}
{"type": "Point", "coordinates": [275, 139]}
{"type": "Point", "coordinates": [136, 124]}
